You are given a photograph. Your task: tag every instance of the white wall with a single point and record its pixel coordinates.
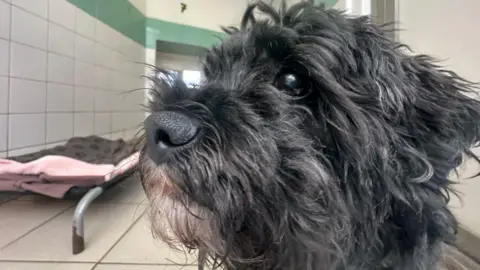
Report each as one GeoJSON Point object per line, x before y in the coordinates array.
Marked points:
{"type": "Point", "coordinates": [61, 75]}
{"type": "Point", "coordinates": [141, 5]}
{"type": "Point", "coordinates": [209, 14]}
{"type": "Point", "coordinates": [445, 28]}
{"type": "Point", "coordinates": [354, 7]}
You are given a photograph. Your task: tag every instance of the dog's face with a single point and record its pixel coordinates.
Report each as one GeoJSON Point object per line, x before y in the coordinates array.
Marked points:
{"type": "Point", "coordinates": [310, 136]}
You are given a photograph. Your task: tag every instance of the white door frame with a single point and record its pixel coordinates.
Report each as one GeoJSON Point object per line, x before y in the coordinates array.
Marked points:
{"type": "Point", "coordinates": [358, 7]}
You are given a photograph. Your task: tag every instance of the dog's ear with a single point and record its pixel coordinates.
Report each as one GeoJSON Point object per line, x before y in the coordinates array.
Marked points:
{"type": "Point", "coordinates": [432, 100]}
{"type": "Point", "coordinates": [432, 109]}
{"type": "Point", "coordinates": [446, 104]}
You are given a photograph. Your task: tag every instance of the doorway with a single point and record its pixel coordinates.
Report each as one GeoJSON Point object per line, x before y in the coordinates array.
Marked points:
{"type": "Point", "coordinates": [384, 12]}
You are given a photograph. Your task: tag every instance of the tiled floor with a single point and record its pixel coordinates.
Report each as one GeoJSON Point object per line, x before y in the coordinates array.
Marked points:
{"type": "Point", "coordinates": [36, 235]}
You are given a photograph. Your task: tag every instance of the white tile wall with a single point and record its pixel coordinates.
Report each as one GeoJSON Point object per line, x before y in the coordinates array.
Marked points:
{"type": "Point", "coordinates": [38, 7]}
{"type": "Point", "coordinates": [61, 40]}
{"type": "Point", "coordinates": [3, 95]}
{"type": "Point", "coordinates": [103, 123]}
{"type": "Point", "coordinates": [27, 62]}
{"type": "Point", "coordinates": [60, 97]}
{"type": "Point", "coordinates": [35, 91]}
{"type": "Point", "coordinates": [60, 69]}
{"type": "Point", "coordinates": [59, 127]}
{"type": "Point", "coordinates": [84, 99]}
{"type": "Point", "coordinates": [83, 124]}
{"type": "Point", "coordinates": [84, 24]}
{"type": "Point", "coordinates": [3, 135]}
{"type": "Point", "coordinates": [28, 28]}
{"type": "Point", "coordinates": [62, 74]}
{"type": "Point", "coordinates": [4, 20]}
{"type": "Point", "coordinates": [62, 13]}
{"type": "Point", "coordinates": [84, 49]}
{"type": "Point", "coordinates": [26, 130]}
{"type": "Point", "coordinates": [5, 56]}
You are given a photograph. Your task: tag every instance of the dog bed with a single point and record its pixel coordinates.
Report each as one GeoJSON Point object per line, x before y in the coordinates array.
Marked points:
{"type": "Point", "coordinates": [82, 169]}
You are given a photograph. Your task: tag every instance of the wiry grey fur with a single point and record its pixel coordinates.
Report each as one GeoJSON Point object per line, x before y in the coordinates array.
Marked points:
{"type": "Point", "coordinates": [350, 172]}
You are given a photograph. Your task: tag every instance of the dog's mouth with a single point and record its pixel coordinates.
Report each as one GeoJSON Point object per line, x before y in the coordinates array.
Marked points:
{"type": "Point", "coordinates": [155, 179]}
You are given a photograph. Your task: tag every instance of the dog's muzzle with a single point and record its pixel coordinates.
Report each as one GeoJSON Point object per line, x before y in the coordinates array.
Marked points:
{"type": "Point", "coordinates": [167, 132]}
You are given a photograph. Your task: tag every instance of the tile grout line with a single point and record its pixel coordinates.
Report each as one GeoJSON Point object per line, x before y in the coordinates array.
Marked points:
{"type": "Point", "coordinates": [73, 70]}
{"type": "Point", "coordinates": [47, 74]}
{"type": "Point", "coordinates": [67, 84]}
{"type": "Point", "coordinates": [36, 227]}
{"type": "Point", "coordinates": [118, 240]}
{"type": "Point", "coordinates": [75, 115]}
{"type": "Point", "coordinates": [94, 88]}
{"type": "Point", "coordinates": [7, 136]}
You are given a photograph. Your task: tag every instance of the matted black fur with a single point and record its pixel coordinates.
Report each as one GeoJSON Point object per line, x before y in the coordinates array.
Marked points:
{"type": "Point", "coordinates": [324, 145]}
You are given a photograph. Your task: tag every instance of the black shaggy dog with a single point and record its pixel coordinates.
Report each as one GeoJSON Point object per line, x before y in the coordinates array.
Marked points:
{"type": "Point", "coordinates": [314, 143]}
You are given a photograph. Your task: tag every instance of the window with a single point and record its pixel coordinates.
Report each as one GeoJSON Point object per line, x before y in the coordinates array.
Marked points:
{"type": "Point", "coordinates": [189, 77]}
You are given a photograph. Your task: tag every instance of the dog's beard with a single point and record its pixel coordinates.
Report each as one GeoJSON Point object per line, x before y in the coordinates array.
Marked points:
{"type": "Point", "coordinates": [175, 221]}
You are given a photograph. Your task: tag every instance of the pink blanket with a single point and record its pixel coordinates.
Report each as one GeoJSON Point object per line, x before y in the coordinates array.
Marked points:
{"type": "Point", "coordinates": [55, 166]}
{"type": "Point", "coordinates": [42, 174]}
{"type": "Point", "coordinates": [61, 166]}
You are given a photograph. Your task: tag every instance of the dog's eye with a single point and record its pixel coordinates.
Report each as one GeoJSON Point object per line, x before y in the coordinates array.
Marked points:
{"type": "Point", "coordinates": [292, 84]}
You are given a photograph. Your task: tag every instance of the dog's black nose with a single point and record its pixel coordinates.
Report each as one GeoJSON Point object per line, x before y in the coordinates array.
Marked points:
{"type": "Point", "coordinates": [167, 131]}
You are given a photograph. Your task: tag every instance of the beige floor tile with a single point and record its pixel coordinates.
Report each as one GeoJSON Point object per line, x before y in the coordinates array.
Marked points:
{"type": "Point", "coordinates": [138, 246]}
{"type": "Point", "coordinates": [19, 217]}
{"type": "Point", "coordinates": [45, 266]}
{"type": "Point", "coordinates": [104, 225]}
{"type": "Point", "coordinates": [142, 267]}
{"type": "Point", "coordinates": [128, 191]}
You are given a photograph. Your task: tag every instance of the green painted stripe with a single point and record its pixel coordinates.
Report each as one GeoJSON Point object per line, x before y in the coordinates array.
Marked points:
{"type": "Point", "coordinates": [124, 17]}
{"type": "Point", "coordinates": [328, 3]}
{"type": "Point", "coordinates": [120, 15]}
{"type": "Point", "coordinates": [180, 33]}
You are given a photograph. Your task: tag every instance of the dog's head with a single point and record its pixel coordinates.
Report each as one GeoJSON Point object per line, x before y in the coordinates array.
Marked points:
{"type": "Point", "coordinates": [314, 140]}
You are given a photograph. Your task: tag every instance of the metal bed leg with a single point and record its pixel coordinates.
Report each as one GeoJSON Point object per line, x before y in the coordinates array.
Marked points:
{"type": "Point", "coordinates": [202, 258]}
{"type": "Point", "coordinates": [78, 240]}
